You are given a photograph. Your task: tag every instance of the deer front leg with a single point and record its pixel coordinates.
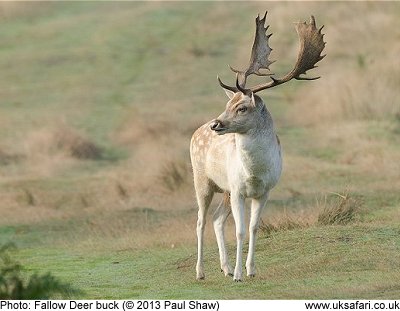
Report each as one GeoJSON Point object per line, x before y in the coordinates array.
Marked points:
{"type": "Point", "coordinates": [257, 206]}
{"type": "Point", "coordinates": [237, 202]}
{"type": "Point", "coordinates": [221, 214]}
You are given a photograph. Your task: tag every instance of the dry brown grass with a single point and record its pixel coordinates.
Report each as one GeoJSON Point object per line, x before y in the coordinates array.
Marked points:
{"type": "Point", "coordinates": [44, 151]}
{"type": "Point", "coordinates": [9, 158]}
{"type": "Point", "coordinates": [137, 130]}
{"type": "Point", "coordinates": [359, 149]}
{"type": "Point", "coordinates": [76, 145]}
{"type": "Point", "coordinates": [329, 209]}
{"type": "Point", "coordinates": [174, 175]}
{"type": "Point", "coordinates": [12, 9]}
{"type": "Point", "coordinates": [158, 167]}
{"type": "Point", "coordinates": [340, 210]}
{"type": "Point", "coordinates": [54, 141]}
{"type": "Point", "coordinates": [285, 222]}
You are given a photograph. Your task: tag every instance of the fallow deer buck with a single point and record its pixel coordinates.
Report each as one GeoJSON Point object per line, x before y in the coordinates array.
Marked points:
{"type": "Point", "coordinates": [239, 153]}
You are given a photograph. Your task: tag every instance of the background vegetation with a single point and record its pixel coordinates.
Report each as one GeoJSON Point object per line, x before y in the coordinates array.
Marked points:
{"type": "Point", "coordinates": [15, 285]}
{"type": "Point", "coordinates": [97, 105]}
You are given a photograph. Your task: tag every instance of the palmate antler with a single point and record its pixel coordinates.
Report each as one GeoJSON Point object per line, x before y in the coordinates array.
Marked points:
{"type": "Point", "coordinates": [259, 53]}
{"type": "Point", "coordinates": [311, 46]}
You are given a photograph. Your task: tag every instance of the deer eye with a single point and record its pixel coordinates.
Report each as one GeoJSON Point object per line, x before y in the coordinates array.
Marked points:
{"type": "Point", "coordinates": [242, 109]}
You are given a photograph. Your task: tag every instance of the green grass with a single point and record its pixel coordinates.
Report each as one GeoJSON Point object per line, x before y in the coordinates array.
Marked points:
{"type": "Point", "coordinates": [136, 79]}
{"type": "Point", "coordinates": [354, 261]}
{"type": "Point", "coordinates": [336, 262]}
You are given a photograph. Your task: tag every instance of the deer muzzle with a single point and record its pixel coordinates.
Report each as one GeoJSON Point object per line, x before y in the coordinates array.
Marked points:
{"type": "Point", "coordinates": [217, 126]}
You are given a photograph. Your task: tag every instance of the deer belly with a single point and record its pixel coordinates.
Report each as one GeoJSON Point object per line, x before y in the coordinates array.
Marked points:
{"type": "Point", "coordinates": [254, 187]}
{"type": "Point", "coordinates": [218, 175]}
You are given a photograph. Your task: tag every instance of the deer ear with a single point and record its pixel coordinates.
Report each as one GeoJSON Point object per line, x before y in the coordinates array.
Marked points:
{"type": "Point", "coordinates": [253, 100]}
{"type": "Point", "coordinates": [229, 93]}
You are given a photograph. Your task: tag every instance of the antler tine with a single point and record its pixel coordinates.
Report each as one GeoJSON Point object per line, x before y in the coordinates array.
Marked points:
{"type": "Point", "coordinates": [311, 46]}
{"type": "Point", "coordinates": [234, 70]}
{"type": "Point", "coordinates": [240, 88]}
{"type": "Point", "coordinates": [224, 86]}
{"type": "Point", "coordinates": [312, 21]}
{"type": "Point", "coordinates": [263, 19]}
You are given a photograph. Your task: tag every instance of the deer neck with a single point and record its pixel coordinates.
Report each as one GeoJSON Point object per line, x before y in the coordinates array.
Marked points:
{"type": "Point", "coordinates": [255, 148]}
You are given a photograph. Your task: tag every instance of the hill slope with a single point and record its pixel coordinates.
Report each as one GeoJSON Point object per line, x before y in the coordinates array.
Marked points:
{"type": "Point", "coordinates": [97, 105]}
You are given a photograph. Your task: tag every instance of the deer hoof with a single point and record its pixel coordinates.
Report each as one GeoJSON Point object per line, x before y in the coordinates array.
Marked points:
{"type": "Point", "coordinates": [200, 276]}
{"type": "Point", "coordinates": [227, 271]}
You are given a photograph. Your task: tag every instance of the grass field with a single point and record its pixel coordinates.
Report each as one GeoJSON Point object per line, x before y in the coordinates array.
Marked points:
{"type": "Point", "coordinates": [98, 101]}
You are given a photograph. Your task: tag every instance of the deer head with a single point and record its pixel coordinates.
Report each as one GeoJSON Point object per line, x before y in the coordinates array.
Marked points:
{"type": "Point", "coordinates": [241, 114]}
{"type": "Point", "coordinates": [243, 105]}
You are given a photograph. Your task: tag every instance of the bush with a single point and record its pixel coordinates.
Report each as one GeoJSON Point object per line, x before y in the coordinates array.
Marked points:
{"type": "Point", "coordinates": [15, 285]}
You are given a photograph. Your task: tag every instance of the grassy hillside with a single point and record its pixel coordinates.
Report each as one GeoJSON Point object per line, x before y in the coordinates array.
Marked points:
{"type": "Point", "coordinates": [98, 101]}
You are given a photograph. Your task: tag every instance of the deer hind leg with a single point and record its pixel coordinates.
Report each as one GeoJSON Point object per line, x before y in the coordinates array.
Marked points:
{"type": "Point", "coordinates": [257, 205]}
{"type": "Point", "coordinates": [221, 214]}
{"type": "Point", "coordinates": [204, 197]}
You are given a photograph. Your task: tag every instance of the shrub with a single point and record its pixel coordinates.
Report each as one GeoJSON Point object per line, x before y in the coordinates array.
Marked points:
{"type": "Point", "coordinates": [15, 285]}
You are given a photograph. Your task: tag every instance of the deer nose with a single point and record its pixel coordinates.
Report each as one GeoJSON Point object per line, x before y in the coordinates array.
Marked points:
{"type": "Point", "coordinates": [216, 125]}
